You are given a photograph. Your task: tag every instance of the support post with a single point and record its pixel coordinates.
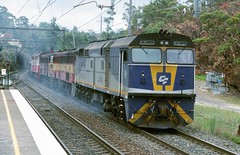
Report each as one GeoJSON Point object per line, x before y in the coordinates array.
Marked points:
{"type": "Point", "coordinates": [238, 132]}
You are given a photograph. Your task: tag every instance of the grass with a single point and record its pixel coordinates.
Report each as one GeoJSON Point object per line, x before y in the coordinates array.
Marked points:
{"type": "Point", "coordinates": [201, 77]}
{"type": "Point", "coordinates": [217, 121]}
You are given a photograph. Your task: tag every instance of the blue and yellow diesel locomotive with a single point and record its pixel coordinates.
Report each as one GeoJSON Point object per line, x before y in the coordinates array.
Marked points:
{"type": "Point", "coordinates": [147, 80]}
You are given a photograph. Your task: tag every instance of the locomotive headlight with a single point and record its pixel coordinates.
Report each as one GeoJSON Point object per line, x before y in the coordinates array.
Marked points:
{"type": "Point", "coordinates": [164, 42]}
{"type": "Point", "coordinates": [182, 81]}
{"type": "Point", "coordinates": [143, 80]}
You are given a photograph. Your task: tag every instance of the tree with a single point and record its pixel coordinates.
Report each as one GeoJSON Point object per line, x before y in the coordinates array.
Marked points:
{"type": "Point", "coordinates": [22, 22]}
{"type": "Point", "coordinates": [165, 14]}
{"type": "Point", "coordinates": [6, 18]}
{"type": "Point", "coordinates": [221, 35]}
{"type": "Point", "coordinates": [135, 27]}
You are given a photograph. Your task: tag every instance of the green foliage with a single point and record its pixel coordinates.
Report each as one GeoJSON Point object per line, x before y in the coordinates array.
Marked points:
{"type": "Point", "coordinates": [220, 35]}
{"type": "Point", "coordinates": [233, 25]}
{"type": "Point", "coordinates": [237, 61]}
{"type": "Point", "coordinates": [201, 77]}
{"type": "Point", "coordinates": [226, 47]}
{"type": "Point", "coordinates": [151, 28]}
{"type": "Point", "coordinates": [158, 14]}
{"type": "Point", "coordinates": [214, 22]}
{"type": "Point", "coordinates": [202, 40]}
{"type": "Point", "coordinates": [6, 18]}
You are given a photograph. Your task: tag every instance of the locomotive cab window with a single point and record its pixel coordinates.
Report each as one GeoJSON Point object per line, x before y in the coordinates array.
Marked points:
{"type": "Point", "coordinates": [180, 56]}
{"type": "Point", "coordinates": [146, 55]}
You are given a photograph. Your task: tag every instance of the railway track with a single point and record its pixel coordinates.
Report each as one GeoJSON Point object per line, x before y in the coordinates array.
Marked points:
{"type": "Point", "coordinates": [157, 140]}
{"type": "Point", "coordinates": [171, 136]}
{"type": "Point", "coordinates": [80, 139]}
{"type": "Point", "coordinates": [95, 143]}
{"type": "Point", "coordinates": [176, 134]}
{"type": "Point", "coordinates": [213, 147]}
{"type": "Point", "coordinates": [153, 138]}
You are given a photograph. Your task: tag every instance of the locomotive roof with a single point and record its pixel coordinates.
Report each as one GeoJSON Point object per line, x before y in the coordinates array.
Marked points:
{"type": "Point", "coordinates": [123, 41]}
{"type": "Point", "coordinates": [60, 53]}
{"type": "Point", "coordinates": [151, 39]}
{"type": "Point", "coordinates": [65, 53]}
{"type": "Point", "coordinates": [156, 39]}
{"type": "Point", "coordinates": [96, 45]}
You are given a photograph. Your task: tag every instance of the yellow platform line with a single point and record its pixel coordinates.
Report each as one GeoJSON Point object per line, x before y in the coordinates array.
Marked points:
{"type": "Point", "coordinates": [14, 138]}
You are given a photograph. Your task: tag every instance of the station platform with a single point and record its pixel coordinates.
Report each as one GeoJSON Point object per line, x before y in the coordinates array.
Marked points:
{"type": "Point", "coordinates": [22, 132]}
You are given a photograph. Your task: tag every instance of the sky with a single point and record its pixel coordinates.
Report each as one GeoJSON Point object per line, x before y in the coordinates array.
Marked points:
{"type": "Point", "coordinates": [86, 17]}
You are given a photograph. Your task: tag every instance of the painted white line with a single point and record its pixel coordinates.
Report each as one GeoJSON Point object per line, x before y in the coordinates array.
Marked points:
{"type": "Point", "coordinates": [46, 142]}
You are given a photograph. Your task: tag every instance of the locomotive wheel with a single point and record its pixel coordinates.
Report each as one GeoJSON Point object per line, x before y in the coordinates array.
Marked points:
{"type": "Point", "coordinates": [118, 108]}
{"type": "Point", "coordinates": [122, 115]}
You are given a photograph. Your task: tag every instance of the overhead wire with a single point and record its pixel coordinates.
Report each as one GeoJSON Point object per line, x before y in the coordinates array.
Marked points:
{"type": "Point", "coordinates": [22, 8]}
{"type": "Point", "coordinates": [98, 15]}
{"type": "Point", "coordinates": [68, 11]}
{"type": "Point", "coordinates": [39, 11]}
{"type": "Point", "coordinates": [17, 14]}
{"type": "Point", "coordinates": [49, 3]}
{"type": "Point", "coordinates": [118, 23]}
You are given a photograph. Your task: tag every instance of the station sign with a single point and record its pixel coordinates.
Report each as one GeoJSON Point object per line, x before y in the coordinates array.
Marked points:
{"type": "Point", "coordinates": [4, 72]}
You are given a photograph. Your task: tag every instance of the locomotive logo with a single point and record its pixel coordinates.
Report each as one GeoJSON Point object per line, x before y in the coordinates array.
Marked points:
{"type": "Point", "coordinates": [163, 79]}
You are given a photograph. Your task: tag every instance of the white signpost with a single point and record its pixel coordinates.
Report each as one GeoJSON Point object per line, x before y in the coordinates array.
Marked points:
{"type": "Point", "coordinates": [5, 79]}
{"type": "Point", "coordinates": [4, 72]}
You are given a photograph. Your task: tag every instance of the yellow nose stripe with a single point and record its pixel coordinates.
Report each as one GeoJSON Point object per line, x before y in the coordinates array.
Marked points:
{"type": "Point", "coordinates": [172, 70]}
{"type": "Point", "coordinates": [181, 112]}
{"type": "Point", "coordinates": [154, 70]}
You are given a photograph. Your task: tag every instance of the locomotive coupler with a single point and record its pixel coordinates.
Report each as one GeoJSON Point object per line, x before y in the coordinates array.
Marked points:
{"type": "Point", "coordinates": [159, 111]}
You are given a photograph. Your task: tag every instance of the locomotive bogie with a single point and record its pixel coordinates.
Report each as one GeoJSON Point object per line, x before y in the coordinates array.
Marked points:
{"type": "Point", "coordinates": [160, 112]}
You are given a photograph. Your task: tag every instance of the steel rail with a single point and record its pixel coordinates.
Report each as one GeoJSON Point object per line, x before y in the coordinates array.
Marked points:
{"type": "Point", "coordinates": [152, 137]}
{"type": "Point", "coordinates": [49, 128]}
{"type": "Point", "coordinates": [203, 142]}
{"type": "Point", "coordinates": [99, 139]}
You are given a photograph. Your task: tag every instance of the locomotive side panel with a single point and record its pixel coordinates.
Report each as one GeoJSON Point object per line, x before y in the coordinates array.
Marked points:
{"type": "Point", "coordinates": [114, 76]}
{"type": "Point", "coordinates": [64, 71]}
{"type": "Point", "coordinates": [99, 73]}
{"type": "Point", "coordinates": [84, 71]}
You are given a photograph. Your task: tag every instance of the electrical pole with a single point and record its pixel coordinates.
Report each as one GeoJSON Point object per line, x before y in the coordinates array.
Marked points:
{"type": "Point", "coordinates": [101, 25]}
{"type": "Point", "coordinates": [130, 19]}
{"type": "Point", "coordinates": [74, 40]}
{"type": "Point", "coordinates": [112, 8]}
{"type": "Point", "coordinates": [196, 12]}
